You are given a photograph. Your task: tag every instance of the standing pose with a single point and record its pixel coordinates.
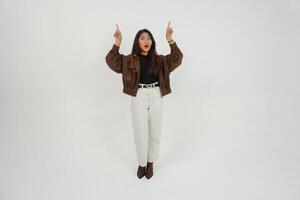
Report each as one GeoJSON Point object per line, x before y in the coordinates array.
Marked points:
{"type": "Point", "coordinates": [145, 76]}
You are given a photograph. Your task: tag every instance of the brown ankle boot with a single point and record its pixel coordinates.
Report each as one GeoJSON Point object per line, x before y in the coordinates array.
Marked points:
{"type": "Point", "coordinates": [149, 170]}
{"type": "Point", "coordinates": [141, 171]}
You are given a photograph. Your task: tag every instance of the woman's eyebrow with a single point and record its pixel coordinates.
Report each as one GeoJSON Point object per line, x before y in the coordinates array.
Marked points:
{"type": "Point", "coordinates": [146, 37]}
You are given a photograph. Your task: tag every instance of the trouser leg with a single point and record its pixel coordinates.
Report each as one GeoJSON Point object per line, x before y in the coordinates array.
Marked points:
{"type": "Point", "coordinates": [155, 124]}
{"type": "Point", "coordinates": [139, 118]}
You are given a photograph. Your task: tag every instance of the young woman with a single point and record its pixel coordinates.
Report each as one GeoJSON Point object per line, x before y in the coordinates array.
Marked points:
{"type": "Point", "coordinates": [145, 76]}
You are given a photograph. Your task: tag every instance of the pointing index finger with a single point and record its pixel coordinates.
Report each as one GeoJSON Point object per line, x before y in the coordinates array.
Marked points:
{"type": "Point", "coordinates": [169, 23]}
{"type": "Point", "coordinates": [117, 27]}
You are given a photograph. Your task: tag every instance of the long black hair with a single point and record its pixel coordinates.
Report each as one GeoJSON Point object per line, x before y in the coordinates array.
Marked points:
{"type": "Point", "coordinates": [136, 49]}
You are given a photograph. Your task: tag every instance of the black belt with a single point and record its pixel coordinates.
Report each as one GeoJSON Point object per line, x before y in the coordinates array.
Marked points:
{"type": "Point", "coordinates": [151, 85]}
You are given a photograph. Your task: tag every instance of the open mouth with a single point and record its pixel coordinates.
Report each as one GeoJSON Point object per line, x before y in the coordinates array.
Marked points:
{"type": "Point", "coordinates": [146, 46]}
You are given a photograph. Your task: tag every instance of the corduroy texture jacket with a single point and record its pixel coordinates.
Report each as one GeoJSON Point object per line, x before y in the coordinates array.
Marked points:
{"type": "Point", "coordinates": [129, 67]}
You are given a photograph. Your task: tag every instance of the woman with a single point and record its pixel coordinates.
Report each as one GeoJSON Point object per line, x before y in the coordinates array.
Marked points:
{"type": "Point", "coordinates": [145, 76]}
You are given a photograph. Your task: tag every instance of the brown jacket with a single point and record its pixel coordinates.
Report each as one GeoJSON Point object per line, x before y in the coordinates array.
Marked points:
{"type": "Point", "coordinates": [129, 66]}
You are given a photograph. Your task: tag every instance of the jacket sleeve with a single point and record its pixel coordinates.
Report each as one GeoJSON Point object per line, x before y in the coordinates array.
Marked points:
{"type": "Point", "coordinates": [174, 59]}
{"type": "Point", "coordinates": [114, 59]}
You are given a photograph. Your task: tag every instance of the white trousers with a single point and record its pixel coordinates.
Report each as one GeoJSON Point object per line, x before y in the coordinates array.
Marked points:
{"type": "Point", "coordinates": [146, 110]}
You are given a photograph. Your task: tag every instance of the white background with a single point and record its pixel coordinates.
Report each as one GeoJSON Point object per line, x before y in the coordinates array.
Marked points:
{"type": "Point", "coordinates": [231, 123]}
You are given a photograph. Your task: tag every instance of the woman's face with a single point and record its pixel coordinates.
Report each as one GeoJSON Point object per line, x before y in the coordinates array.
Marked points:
{"type": "Point", "coordinates": [145, 42]}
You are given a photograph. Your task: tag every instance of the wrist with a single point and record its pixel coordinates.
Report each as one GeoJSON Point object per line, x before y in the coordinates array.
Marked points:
{"type": "Point", "coordinates": [117, 44]}
{"type": "Point", "coordinates": [171, 41]}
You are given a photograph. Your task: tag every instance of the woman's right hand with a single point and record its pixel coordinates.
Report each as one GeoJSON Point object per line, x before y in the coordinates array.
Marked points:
{"type": "Point", "coordinates": [118, 36]}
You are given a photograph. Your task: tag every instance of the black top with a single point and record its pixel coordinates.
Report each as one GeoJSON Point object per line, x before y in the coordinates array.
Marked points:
{"type": "Point", "coordinates": [145, 61]}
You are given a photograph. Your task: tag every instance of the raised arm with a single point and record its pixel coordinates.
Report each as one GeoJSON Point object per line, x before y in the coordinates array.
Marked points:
{"type": "Point", "coordinates": [113, 57]}
{"type": "Point", "coordinates": [174, 59]}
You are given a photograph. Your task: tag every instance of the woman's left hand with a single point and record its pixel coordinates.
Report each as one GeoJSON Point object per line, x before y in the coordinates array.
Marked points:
{"type": "Point", "coordinates": [169, 32]}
